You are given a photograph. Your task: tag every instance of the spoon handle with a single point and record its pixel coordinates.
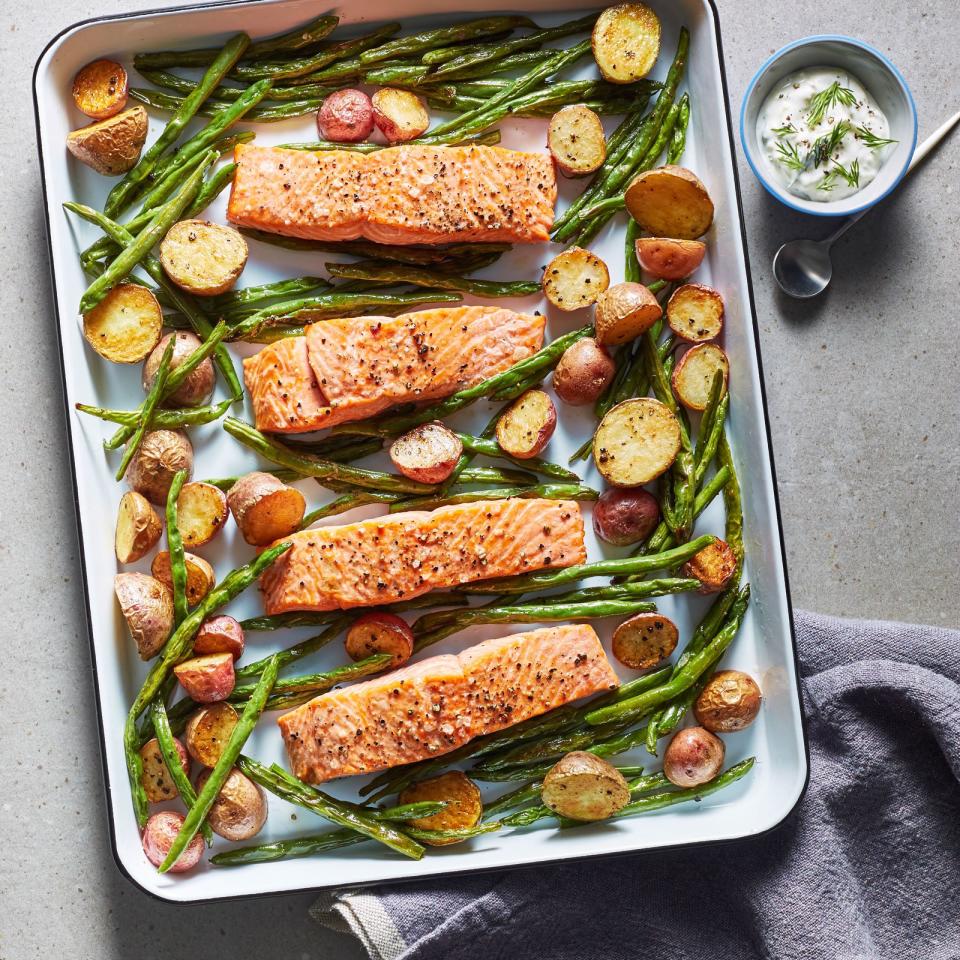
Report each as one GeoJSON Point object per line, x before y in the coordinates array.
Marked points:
{"type": "Point", "coordinates": [918, 155]}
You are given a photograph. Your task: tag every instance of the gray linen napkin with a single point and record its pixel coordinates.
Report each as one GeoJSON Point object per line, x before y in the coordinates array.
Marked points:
{"type": "Point", "coordinates": [867, 867]}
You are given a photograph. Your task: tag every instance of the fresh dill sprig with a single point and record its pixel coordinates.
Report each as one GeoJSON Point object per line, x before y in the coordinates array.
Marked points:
{"type": "Point", "coordinates": [785, 130]}
{"type": "Point", "coordinates": [789, 156]}
{"type": "Point", "coordinates": [851, 174]}
{"type": "Point", "coordinates": [828, 182]}
{"type": "Point", "coordinates": [821, 102]}
{"type": "Point", "coordinates": [870, 139]}
{"type": "Point", "coordinates": [824, 146]}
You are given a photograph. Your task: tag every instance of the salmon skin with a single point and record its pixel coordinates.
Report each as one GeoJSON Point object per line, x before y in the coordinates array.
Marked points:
{"type": "Point", "coordinates": [404, 555]}
{"type": "Point", "coordinates": [352, 368]}
{"type": "Point", "coordinates": [400, 195]}
{"type": "Point", "coordinates": [434, 706]}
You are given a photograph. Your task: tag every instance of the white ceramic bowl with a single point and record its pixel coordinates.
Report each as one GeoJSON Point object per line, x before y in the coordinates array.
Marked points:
{"type": "Point", "coordinates": [884, 83]}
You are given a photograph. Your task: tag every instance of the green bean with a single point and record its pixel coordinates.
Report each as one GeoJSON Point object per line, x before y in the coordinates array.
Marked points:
{"type": "Point", "coordinates": [710, 428]}
{"type": "Point", "coordinates": [271, 113]}
{"type": "Point", "coordinates": [452, 836]}
{"type": "Point", "coordinates": [123, 192]}
{"type": "Point", "coordinates": [153, 398]}
{"type": "Point", "coordinates": [265, 291]}
{"type": "Point", "coordinates": [181, 85]}
{"type": "Point", "coordinates": [485, 447]}
{"type": "Point", "coordinates": [231, 751]}
{"type": "Point", "coordinates": [212, 188]}
{"type": "Point", "coordinates": [435, 279]}
{"type": "Point", "coordinates": [631, 270]}
{"type": "Point", "coordinates": [171, 759]}
{"type": "Point", "coordinates": [178, 647]}
{"type": "Point", "coordinates": [557, 491]}
{"type": "Point", "coordinates": [298, 651]}
{"type": "Point", "coordinates": [348, 501]}
{"type": "Point", "coordinates": [622, 591]}
{"type": "Point", "coordinates": [314, 683]}
{"type": "Point", "coordinates": [178, 563]}
{"type": "Point", "coordinates": [161, 419]}
{"type": "Point", "coordinates": [678, 140]}
{"type": "Point", "coordinates": [733, 504]}
{"type": "Point", "coordinates": [344, 814]}
{"type": "Point", "coordinates": [516, 61]}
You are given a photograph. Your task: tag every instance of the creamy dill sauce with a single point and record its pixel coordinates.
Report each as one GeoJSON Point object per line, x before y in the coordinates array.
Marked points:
{"type": "Point", "coordinates": [823, 134]}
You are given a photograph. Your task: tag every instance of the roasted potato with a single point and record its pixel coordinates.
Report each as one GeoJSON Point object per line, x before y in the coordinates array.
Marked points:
{"type": "Point", "coordinates": [427, 453]}
{"type": "Point", "coordinates": [581, 786]}
{"type": "Point", "coordinates": [345, 116]}
{"type": "Point", "coordinates": [125, 325]}
{"type": "Point", "coordinates": [626, 42]}
{"type": "Point", "coordinates": [695, 313]}
{"type": "Point", "coordinates": [380, 633]}
{"type": "Point", "coordinates": [162, 454]}
{"type": "Point", "coordinates": [462, 796]}
{"type": "Point", "coordinates": [669, 259]}
{"type": "Point", "coordinates": [693, 757]}
{"type": "Point", "coordinates": [636, 442]}
{"type": "Point", "coordinates": [527, 425]}
{"type": "Point", "coordinates": [220, 634]}
{"type": "Point", "coordinates": [574, 279]}
{"type": "Point", "coordinates": [208, 730]}
{"type": "Point", "coordinates": [155, 777]}
{"type": "Point", "coordinates": [200, 576]}
{"type": "Point", "coordinates": [729, 702]}
{"type": "Point", "coordinates": [100, 89]}
{"type": "Point", "coordinates": [576, 141]}
{"type": "Point", "coordinates": [693, 375]}
{"type": "Point", "coordinates": [624, 312]}
{"type": "Point", "coordinates": [239, 810]}
{"type": "Point", "coordinates": [198, 386]}
{"type": "Point", "coordinates": [207, 679]}
{"type": "Point", "coordinates": [583, 373]}
{"type": "Point", "coordinates": [158, 836]}
{"type": "Point", "coordinates": [203, 258]}
{"type": "Point", "coordinates": [138, 528]}
{"type": "Point", "coordinates": [713, 566]}
{"type": "Point", "coordinates": [670, 202]}
{"type": "Point", "coordinates": [147, 606]}
{"type": "Point", "coordinates": [201, 512]}
{"type": "Point", "coordinates": [265, 508]}
{"type": "Point", "coordinates": [400, 115]}
{"type": "Point", "coordinates": [622, 517]}
{"type": "Point", "coordinates": [644, 640]}
{"type": "Point", "coordinates": [111, 146]}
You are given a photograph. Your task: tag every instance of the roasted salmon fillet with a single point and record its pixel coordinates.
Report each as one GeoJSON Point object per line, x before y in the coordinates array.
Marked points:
{"type": "Point", "coordinates": [404, 555]}
{"type": "Point", "coordinates": [434, 706]}
{"type": "Point", "coordinates": [351, 368]}
{"type": "Point", "coordinates": [401, 195]}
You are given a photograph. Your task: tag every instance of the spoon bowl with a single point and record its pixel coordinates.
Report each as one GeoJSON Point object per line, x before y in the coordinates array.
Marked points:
{"type": "Point", "coordinates": [803, 268]}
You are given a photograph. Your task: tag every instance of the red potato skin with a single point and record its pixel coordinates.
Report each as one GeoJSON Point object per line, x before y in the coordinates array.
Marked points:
{"type": "Point", "coordinates": [220, 634]}
{"type": "Point", "coordinates": [623, 516]}
{"type": "Point", "coordinates": [669, 259]}
{"type": "Point", "coordinates": [693, 757]}
{"type": "Point", "coordinates": [346, 116]}
{"type": "Point", "coordinates": [158, 836]}
{"type": "Point", "coordinates": [207, 679]}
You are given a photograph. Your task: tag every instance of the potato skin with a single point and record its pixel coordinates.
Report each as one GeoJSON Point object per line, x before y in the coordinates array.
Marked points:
{"type": "Point", "coordinates": [625, 516]}
{"type": "Point", "coordinates": [380, 633]}
{"type": "Point", "coordinates": [636, 442]}
{"type": "Point", "coordinates": [155, 777]}
{"type": "Point", "coordinates": [203, 258]}
{"type": "Point", "coordinates": [669, 259]}
{"type": "Point", "coordinates": [220, 634]}
{"type": "Point", "coordinates": [208, 730]}
{"type": "Point", "coordinates": [581, 786]}
{"type": "Point", "coordinates": [126, 325]}
{"type": "Point", "coordinates": [624, 312]}
{"type": "Point", "coordinates": [526, 427]}
{"type": "Point", "coordinates": [147, 606]}
{"type": "Point", "coordinates": [345, 116]}
{"type": "Point", "coordinates": [200, 575]}
{"type": "Point", "coordinates": [670, 201]}
{"type": "Point", "coordinates": [111, 146]}
{"type": "Point", "coordinates": [138, 528]}
{"type": "Point", "coordinates": [265, 508]}
{"type": "Point", "coordinates": [583, 373]}
{"type": "Point", "coordinates": [158, 836]}
{"type": "Point", "coordinates": [207, 679]}
{"type": "Point", "coordinates": [239, 810]}
{"type": "Point", "coordinates": [464, 804]}
{"type": "Point", "coordinates": [713, 566]}
{"type": "Point", "coordinates": [198, 387]}
{"type": "Point", "coordinates": [400, 115]}
{"type": "Point", "coordinates": [693, 757]}
{"type": "Point", "coordinates": [576, 140]}
{"type": "Point", "coordinates": [100, 89]}
{"type": "Point", "coordinates": [644, 640]}
{"type": "Point", "coordinates": [729, 702]}
{"type": "Point", "coordinates": [161, 455]}
{"type": "Point", "coordinates": [428, 453]}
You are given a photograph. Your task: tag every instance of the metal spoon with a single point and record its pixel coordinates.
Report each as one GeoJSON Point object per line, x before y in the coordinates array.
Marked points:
{"type": "Point", "coordinates": [803, 267]}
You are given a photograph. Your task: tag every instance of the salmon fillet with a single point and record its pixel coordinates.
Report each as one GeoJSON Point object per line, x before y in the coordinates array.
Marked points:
{"type": "Point", "coordinates": [351, 368]}
{"type": "Point", "coordinates": [434, 706]}
{"type": "Point", "coordinates": [404, 555]}
{"type": "Point", "coordinates": [400, 195]}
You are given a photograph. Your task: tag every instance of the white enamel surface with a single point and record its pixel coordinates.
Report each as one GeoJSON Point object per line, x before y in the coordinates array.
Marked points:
{"type": "Point", "coordinates": [764, 645]}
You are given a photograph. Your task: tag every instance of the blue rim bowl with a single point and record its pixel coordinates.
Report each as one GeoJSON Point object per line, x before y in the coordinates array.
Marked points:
{"type": "Point", "coordinates": [885, 84]}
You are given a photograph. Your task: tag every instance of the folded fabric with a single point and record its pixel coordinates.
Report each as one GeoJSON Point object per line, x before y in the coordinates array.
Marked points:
{"type": "Point", "coordinates": [868, 866]}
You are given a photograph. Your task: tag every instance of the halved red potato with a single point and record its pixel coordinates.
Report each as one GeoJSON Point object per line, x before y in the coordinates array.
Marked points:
{"type": "Point", "coordinates": [345, 116]}
{"type": "Point", "coordinates": [694, 374]}
{"type": "Point", "coordinates": [670, 201]}
{"type": "Point", "coordinates": [380, 633]}
{"type": "Point", "coordinates": [527, 425]}
{"type": "Point", "coordinates": [464, 805]}
{"type": "Point", "coordinates": [202, 257]}
{"type": "Point", "coordinates": [239, 810]}
{"type": "Point", "coordinates": [155, 777]}
{"type": "Point", "coordinates": [626, 42]}
{"type": "Point", "coordinates": [695, 313]}
{"type": "Point", "coordinates": [198, 385]}
{"type": "Point", "coordinates": [111, 146]}
{"type": "Point", "coordinates": [161, 455]}
{"type": "Point", "coordinates": [158, 836]}
{"type": "Point", "coordinates": [583, 372]}
{"type": "Point", "coordinates": [669, 259]}
{"type": "Point", "coordinates": [100, 89]}
{"type": "Point", "coordinates": [624, 312]}
{"type": "Point", "coordinates": [729, 702]}
{"type": "Point", "coordinates": [201, 512]}
{"type": "Point", "coordinates": [574, 279]}
{"type": "Point", "coordinates": [207, 679]}
{"type": "Point", "coordinates": [636, 442]}
{"type": "Point", "coordinates": [265, 508]}
{"type": "Point", "coordinates": [400, 115]}
{"type": "Point", "coordinates": [582, 786]}
{"type": "Point", "coordinates": [220, 634]}
{"type": "Point", "coordinates": [576, 140]}
{"type": "Point", "coordinates": [622, 517]}
{"type": "Point", "coordinates": [138, 527]}
{"type": "Point", "coordinates": [147, 606]}
{"type": "Point", "coordinates": [713, 566]}
{"type": "Point", "coordinates": [200, 575]}
{"type": "Point", "coordinates": [693, 757]}
{"type": "Point", "coordinates": [208, 730]}
{"type": "Point", "coordinates": [125, 325]}
{"type": "Point", "coordinates": [644, 640]}
{"type": "Point", "coordinates": [427, 453]}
